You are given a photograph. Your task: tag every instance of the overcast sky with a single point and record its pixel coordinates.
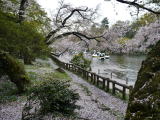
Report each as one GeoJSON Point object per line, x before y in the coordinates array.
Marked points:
{"type": "Point", "coordinates": [112, 10]}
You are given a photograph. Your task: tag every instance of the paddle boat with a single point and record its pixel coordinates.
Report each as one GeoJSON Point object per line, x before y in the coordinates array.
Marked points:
{"type": "Point", "coordinates": [101, 56]}
{"type": "Point", "coordinates": [95, 54]}
{"type": "Point", "coordinates": [104, 57]}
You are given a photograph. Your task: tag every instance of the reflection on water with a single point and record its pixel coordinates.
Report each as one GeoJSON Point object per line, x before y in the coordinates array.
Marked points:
{"type": "Point", "coordinates": [122, 67]}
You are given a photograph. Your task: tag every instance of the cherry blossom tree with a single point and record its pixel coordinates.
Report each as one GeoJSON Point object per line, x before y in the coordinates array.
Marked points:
{"type": "Point", "coordinates": [145, 38]}
{"type": "Point", "coordinates": [72, 21]}
{"type": "Point", "coordinates": [114, 34]}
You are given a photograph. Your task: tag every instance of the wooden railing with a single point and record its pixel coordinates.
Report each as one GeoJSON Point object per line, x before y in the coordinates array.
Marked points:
{"type": "Point", "coordinates": [105, 83]}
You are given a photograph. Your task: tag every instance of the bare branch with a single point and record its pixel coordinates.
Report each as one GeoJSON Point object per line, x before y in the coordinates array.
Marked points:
{"type": "Point", "coordinates": [78, 34]}
{"type": "Point", "coordinates": [139, 6]}
{"type": "Point", "coordinates": [62, 6]}
{"type": "Point", "coordinates": [71, 21]}
{"type": "Point", "coordinates": [72, 12]}
{"type": "Point", "coordinates": [87, 45]}
{"type": "Point", "coordinates": [51, 34]}
{"type": "Point", "coordinates": [63, 23]}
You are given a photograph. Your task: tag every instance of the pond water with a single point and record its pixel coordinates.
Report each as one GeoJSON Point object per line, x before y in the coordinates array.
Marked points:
{"type": "Point", "coordinates": [123, 68]}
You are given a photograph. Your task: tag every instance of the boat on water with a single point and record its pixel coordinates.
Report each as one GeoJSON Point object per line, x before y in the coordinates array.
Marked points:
{"type": "Point", "coordinates": [96, 54]}
{"type": "Point", "coordinates": [107, 56]}
{"type": "Point", "coordinates": [101, 56]}
{"type": "Point", "coordinates": [104, 57]}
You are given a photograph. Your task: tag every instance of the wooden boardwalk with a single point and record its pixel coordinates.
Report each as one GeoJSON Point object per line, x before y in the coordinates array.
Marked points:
{"type": "Point", "coordinates": [106, 84]}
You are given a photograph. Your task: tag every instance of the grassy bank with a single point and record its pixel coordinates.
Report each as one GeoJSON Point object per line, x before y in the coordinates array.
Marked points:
{"type": "Point", "coordinates": [37, 71]}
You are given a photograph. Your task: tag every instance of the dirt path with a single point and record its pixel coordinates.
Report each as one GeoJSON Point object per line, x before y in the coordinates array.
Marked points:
{"type": "Point", "coordinates": [11, 111]}
{"type": "Point", "coordinates": [95, 103]}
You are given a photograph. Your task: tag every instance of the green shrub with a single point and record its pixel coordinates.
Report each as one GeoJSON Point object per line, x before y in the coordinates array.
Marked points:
{"type": "Point", "coordinates": [55, 96]}
{"type": "Point", "coordinates": [8, 92]}
{"type": "Point", "coordinates": [15, 70]}
{"type": "Point", "coordinates": [81, 61]}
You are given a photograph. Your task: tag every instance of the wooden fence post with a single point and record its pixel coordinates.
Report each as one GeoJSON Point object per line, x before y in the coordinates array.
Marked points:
{"type": "Point", "coordinates": [94, 78]}
{"type": "Point", "coordinates": [82, 72]}
{"type": "Point", "coordinates": [113, 88]}
{"type": "Point", "coordinates": [72, 68]}
{"type": "Point", "coordinates": [63, 64]}
{"type": "Point", "coordinates": [79, 71]}
{"type": "Point", "coordinates": [124, 93]}
{"type": "Point", "coordinates": [76, 69]}
{"type": "Point", "coordinates": [87, 73]}
{"type": "Point", "coordinates": [91, 77]}
{"type": "Point", "coordinates": [66, 65]}
{"type": "Point", "coordinates": [108, 85]}
{"type": "Point", "coordinates": [97, 80]}
{"type": "Point", "coordinates": [104, 83]}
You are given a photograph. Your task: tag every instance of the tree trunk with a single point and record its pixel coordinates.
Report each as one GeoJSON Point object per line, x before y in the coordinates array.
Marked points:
{"type": "Point", "coordinates": [23, 6]}
{"type": "Point", "coordinates": [28, 56]}
{"type": "Point", "coordinates": [144, 102]}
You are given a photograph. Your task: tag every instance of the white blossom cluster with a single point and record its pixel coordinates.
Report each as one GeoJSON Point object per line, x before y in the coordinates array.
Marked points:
{"type": "Point", "coordinates": [143, 40]}
{"type": "Point", "coordinates": [9, 6]}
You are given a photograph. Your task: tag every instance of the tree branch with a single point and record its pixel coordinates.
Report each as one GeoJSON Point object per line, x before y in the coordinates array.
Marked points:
{"type": "Point", "coordinates": [87, 45]}
{"type": "Point", "coordinates": [139, 6]}
{"type": "Point", "coordinates": [78, 34]}
{"type": "Point", "coordinates": [72, 12]}
{"type": "Point", "coordinates": [51, 34]}
{"type": "Point", "coordinates": [64, 22]}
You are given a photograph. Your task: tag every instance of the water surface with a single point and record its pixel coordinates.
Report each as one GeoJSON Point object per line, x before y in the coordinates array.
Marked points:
{"type": "Point", "coordinates": [122, 67]}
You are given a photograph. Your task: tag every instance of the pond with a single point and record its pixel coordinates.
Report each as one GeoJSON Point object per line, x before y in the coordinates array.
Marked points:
{"type": "Point", "coordinates": [121, 68]}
